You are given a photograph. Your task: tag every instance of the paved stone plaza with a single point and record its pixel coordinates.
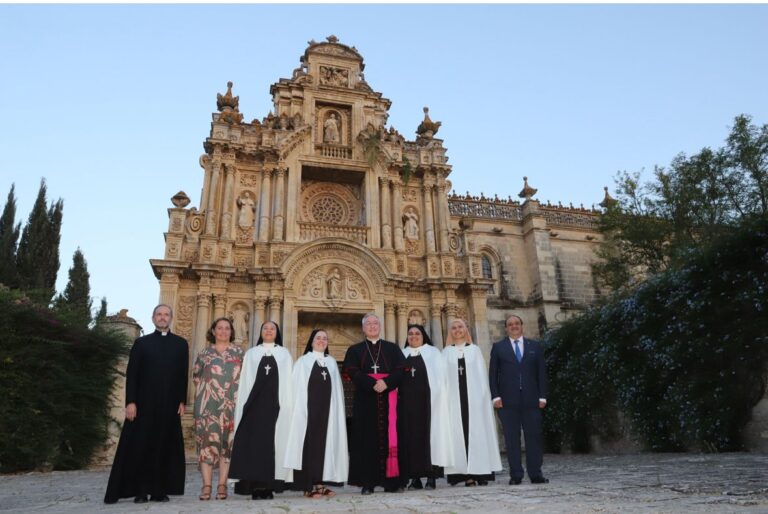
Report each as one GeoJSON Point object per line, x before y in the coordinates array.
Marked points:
{"type": "Point", "coordinates": [658, 483]}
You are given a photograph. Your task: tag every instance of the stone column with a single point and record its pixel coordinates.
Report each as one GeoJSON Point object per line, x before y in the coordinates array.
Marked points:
{"type": "Point", "coordinates": [402, 323]}
{"type": "Point", "coordinates": [479, 309]}
{"type": "Point", "coordinates": [451, 312]}
{"type": "Point", "coordinates": [386, 214]}
{"type": "Point", "coordinates": [226, 217]}
{"type": "Point", "coordinates": [436, 323]}
{"type": "Point", "coordinates": [274, 309]}
{"type": "Point", "coordinates": [429, 220]}
{"type": "Point", "coordinates": [264, 205]}
{"type": "Point", "coordinates": [259, 316]}
{"type": "Point", "coordinates": [277, 226]}
{"type": "Point", "coordinates": [201, 330]}
{"type": "Point", "coordinates": [205, 163]}
{"type": "Point", "coordinates": [389, 321]}
{"type": "Point", "coordinates": [442, 209]}
{"type": "Point", "coordinates": [397, 221]}
{"type": "Point", "coordinates": [169, 287]}
{"type": "Point", "coordinates": [219, 305]}
{"type": "Point", "coordinates": [210, 215]}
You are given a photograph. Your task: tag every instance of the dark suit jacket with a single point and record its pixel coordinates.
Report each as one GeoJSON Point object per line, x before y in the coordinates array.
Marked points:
{"type": "Point", "coordinates": [505, 374]}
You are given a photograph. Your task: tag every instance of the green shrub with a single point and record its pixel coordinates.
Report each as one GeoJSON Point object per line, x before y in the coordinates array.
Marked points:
{"type": "Point", "coordinates": [682, 359]}
{"type": "Point", "coordinates": [55, 382]}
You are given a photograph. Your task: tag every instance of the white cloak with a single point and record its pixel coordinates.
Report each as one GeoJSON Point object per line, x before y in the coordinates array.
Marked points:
{"type": "Point", "coordinates": [248, 378]}
{"type": "Point", "coordinates": [336, 465]}
{"type": "Point", "coordinates": [483, 449]}
{"type": "Point", "coordinates": [440, 447]}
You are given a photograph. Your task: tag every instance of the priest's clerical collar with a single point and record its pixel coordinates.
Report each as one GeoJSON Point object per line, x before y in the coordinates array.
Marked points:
{"type": "Point", "coordinates": [372, 341]}
{"type": "Point", "coordinates": [162, 333]}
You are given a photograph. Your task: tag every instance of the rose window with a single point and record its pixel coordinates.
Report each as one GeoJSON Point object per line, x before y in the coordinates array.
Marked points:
{"type": "Point", "coordinates": [328, 209]}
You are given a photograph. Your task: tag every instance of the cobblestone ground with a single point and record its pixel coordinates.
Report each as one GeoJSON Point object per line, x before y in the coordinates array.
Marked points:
{"type": "Point", "coordinates": [657, 483]}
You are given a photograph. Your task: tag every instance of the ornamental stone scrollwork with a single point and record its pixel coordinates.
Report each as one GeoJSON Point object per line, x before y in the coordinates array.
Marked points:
{"type": "Point", "coordinates": [332, 204]}
{"type": "Point", "coordinates": [241, 260]}
{"type": "Point", "coordinates": [203, 299]}
{"type": "Point", "coordinates": [249, 180]}
{"type": "Point", "coordinates": [332, 76]}
{"type": "Point", "coordinates": [176, 224]}
{"type": "Point", "coordinates": [223, 253]}
{"type": "Point", "coordinates": [410, 194]}
{"type": "Point", "coordinates": [389, 307]}
{"type": "Point", "coordinates": [435, 311]}
{"type": "Point", "coordinates": [182, 324]}
{"type": "Point", "coordinates": [278, 257]}
{"type": "Point", "coordinates": [208, 252]}
{"type": "Point", "coordinates": [194, 223]}
{"type": "Point", "coordinates": [454, 244]}
{"type": "Point", "coordinates": [334, 282]}
{"type": "Point", "coordinates": [244, 235]}
{"type": "Point", "coordinates": [173, 249]}
{"type": "Point", "coordinates": [448, 267]}
{"type": "Point", "coordinates": [191, 255]}
{"type": "Point", "coordinates": [262, 260]}
{"type": "Point", "coordinates": [433, 267]}
{"type": "Point", "coordinates": [451, 309]}
{"type": "Point", "coordinates": [412, 247]}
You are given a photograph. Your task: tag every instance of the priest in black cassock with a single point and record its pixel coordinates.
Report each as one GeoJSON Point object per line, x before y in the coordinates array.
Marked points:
{"type": "Point", "coordinates": [150, 454]}
{"type": "Point", "coordinates": [376, 368]}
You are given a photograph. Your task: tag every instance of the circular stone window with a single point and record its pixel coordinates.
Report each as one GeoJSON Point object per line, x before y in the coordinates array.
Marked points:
{"type": "Point", "coordinates": [329, 209]}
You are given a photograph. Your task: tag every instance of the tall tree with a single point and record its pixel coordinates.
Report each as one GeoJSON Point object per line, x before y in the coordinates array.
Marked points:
{"type": "Point", "coordinates": [75, 303]}
{"type": "Point", "coordinates": [102, 315]}
{"type": "Point", "coordinates": [692, 202]}
{"type": "Point", "coordinates": [9, 238]}
{"type": "Point", "coordinates": [37, 259]}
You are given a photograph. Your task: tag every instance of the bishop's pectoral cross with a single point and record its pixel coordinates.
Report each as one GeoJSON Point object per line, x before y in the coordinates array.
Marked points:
{"type": "Point", "coordinates": [375, 368]}
{"type": "Point", "coordinates": [461, 370]}
{"type": "Point", "coordinates": [325, 374]}
{"type": "Point", "coordinates": [267, 368]}
{"type": "Point", "coordinates": [413, 372]}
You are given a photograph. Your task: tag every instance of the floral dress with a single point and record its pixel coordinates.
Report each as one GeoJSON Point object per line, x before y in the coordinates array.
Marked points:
{"type": "Point", "coordinates": [216, 376]}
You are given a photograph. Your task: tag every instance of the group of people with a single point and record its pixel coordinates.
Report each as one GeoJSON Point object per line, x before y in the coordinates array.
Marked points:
{"type": "Point", "coordinates": [270, 424]}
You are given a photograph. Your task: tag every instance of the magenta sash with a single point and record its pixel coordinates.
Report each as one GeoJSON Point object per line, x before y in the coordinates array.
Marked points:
{"type": "Point", "coordinates": [393, 469]}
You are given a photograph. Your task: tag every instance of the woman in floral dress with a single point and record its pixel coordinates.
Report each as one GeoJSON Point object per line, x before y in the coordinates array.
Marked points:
{"type": "Point", "coordinates": [216, 375]}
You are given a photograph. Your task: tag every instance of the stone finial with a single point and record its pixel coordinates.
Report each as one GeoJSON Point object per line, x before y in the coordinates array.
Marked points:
{"type": "Point", "coordinates": [428, 128]}
{"type": "Point", "coordinates": [227, 101]}
{"type": "Point", "coordinates": [527, 191]}
{"type": "Point", "coordinates": [332, 39]}
{"type": "Point", "coordinates": [180, 199]}
{"type": "Point", "coordinates": [608, 201]}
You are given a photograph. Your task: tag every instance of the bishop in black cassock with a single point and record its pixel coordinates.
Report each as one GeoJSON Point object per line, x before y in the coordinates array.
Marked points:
{"type": "Point", "coordinates": [375, 367]}
{"type": "Point", "coordinates": [150, 454]}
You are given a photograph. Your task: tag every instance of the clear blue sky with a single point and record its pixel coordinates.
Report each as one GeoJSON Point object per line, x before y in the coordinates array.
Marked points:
{"type": "Point", "coordinates": [111, 103]}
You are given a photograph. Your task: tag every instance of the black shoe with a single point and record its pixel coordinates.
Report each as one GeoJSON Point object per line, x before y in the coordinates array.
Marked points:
{"type": "Point", "coordinates": [160, 498]}
{"type": "Point", "coordinates": [267, 495]}
{"type": "Point", "coordinates": [430, 484]}
{"type": "Point", "coordinates": [366, 491]}
{"type": "Point", "coordinates": [142, 498]}
{"type": "Point", "coordinates": [539, 480]}
{"type": "Point", "coordinates": [482, 482]}
{"type": "Point", "coordinates": [515, 481]}
{"type": "Point", "coordinates": [395, 489]}
{"type": "Point", "coordinates": [415, 485]}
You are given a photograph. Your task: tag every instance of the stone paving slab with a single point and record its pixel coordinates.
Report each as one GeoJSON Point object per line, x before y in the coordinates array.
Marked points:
{"type": "Point", "coordinates": [645, 483]}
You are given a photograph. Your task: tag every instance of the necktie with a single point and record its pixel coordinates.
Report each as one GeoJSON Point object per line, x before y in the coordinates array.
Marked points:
{"type": "Point", "coordinates": [518, 354]}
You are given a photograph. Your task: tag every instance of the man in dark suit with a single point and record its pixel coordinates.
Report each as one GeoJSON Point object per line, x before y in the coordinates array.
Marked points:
{"type": "Point", "coordinates": [519, 390]}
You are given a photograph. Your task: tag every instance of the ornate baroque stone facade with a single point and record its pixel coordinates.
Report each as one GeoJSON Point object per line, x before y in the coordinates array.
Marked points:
{"type": "Point", "coordinates": [319, 213]}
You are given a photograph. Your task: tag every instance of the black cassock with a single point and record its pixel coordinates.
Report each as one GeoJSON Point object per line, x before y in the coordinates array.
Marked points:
{"type": "Point", "coordinates": [318, 408]}
{"type": "Point", "coordinates": [369, 442]}
{"type": "Point", "coordinates": [253, 449]}
{"type": "Point", "coordinates": [413, 421]}
{"type": "Point", "coordinates": [150, 454]}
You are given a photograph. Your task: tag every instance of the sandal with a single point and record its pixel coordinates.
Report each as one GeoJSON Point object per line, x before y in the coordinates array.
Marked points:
{"type": "Point", "coordinates": [470, 483]}
{"type": "Point", "coordinates": [313, 494]}
{"type": "Point", "coordinates": [205, 495]}
{"type": "Point", "coordinates": [221, 492]}
{"type": "Point", "coordinates": [326, 492]}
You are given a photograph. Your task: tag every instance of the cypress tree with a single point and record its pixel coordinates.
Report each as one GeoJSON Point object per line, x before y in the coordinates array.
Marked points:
{"type": "Point", "coordinates": [9, 238]}
{"type": "Point", "coordinates": [75, 303]}
{"type": "Point", "coordinates": [37, 259]}
{"type": "Point", "coordinates": [102, 315]}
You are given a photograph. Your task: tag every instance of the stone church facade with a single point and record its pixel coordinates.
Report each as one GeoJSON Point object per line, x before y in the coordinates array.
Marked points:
{"type": "Point", "coordinates": [319, 213]}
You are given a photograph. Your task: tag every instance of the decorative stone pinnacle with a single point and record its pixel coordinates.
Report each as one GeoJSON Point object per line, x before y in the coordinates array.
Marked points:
{"type": "Point", "coordinates": [227, 101]}
{"type": "Point", "coordinates": [428, 128]}
{"type": "Point", "coordinates": [608, 201]}
{"type": "Point", "coordinates": [332, 39]}
{"type": "Point", "coordinates": [527, 191]}
{"type": "Point", "coordinates": [180, 199]}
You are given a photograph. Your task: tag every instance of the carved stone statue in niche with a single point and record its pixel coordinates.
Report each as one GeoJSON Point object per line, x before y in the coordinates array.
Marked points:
{"type": "Point", "coordinates": [411, 224]}
{"type": "Point", "coordinates": [240, 318]}
{"type": "Point", "coordinates": [334, 282]}
{"type": "Point", "coordinates": [331, 130]}
{"type": "Point", "coordinates": [246, 204]}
